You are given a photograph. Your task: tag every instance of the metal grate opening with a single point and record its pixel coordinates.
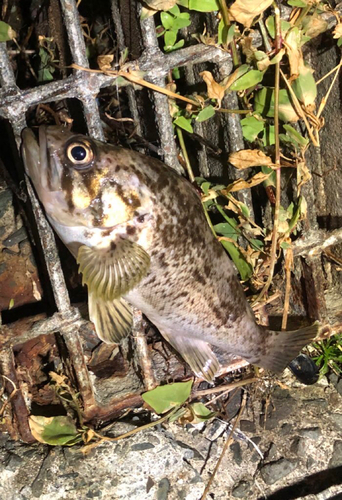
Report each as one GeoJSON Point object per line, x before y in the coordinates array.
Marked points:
{"type": "Point", "coordinates": [57, 331]}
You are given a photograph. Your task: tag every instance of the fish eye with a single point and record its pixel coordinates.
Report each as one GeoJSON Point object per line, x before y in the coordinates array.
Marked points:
{"type": "Point", "coordinates": [80, 154]}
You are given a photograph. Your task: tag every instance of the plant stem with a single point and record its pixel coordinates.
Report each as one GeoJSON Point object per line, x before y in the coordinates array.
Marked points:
{"type": "Point", "coordinates": [276, 158]}
{"type": "Point", "coordinates": [235, 111]}
{"type": "Point", "coordinates": [264, 35]}
{"type": "Point", "coordinates": [185, 154]}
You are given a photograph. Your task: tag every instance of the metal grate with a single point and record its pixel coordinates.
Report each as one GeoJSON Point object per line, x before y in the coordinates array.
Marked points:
{"type": "Point", "coordinates": [85, 87]}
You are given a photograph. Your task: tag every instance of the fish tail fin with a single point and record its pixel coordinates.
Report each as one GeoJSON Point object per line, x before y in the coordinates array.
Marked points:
{"type": "Point", "coordinates": [283, 347]}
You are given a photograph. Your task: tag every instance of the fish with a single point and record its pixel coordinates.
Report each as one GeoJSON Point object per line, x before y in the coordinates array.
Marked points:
{"type": "Point", "coordinates": [139, 234]}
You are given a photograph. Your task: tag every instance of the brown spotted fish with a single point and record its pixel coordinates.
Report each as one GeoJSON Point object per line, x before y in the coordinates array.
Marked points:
{"type": "Point", "coordinates": [139, 234]}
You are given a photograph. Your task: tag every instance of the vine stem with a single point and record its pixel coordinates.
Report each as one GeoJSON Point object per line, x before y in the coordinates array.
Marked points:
{"type": "Point", "coordinates": [277, 157]}
{"type": "Point", "coordinates": [185, 154]}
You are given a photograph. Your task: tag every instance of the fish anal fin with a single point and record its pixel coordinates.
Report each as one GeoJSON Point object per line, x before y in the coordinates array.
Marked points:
{"type": "Point", "coordinates": [112, 318]}
{"type": "Point", "coordinates": [283, 347]}
{"type": "Point", "coordinates": [197, 353]}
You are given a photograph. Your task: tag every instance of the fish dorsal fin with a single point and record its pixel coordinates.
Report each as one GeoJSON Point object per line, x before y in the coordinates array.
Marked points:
{"type": "Point", "coordinates": [113, 272]}
{"type": "Point", "coordinates": [112, 318]}
{"type": "Point", "coordinates": [197, 353]}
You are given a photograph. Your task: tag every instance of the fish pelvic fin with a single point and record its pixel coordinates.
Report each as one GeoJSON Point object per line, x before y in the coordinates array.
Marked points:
{"type": "Point", "coordinates": [197, 354]}
{"type": "Point", "coordinates": [113, 272]}
{"type": "Point", "coordinates": [283, 347]}
{"type": "Point", "coordinates": [113, 319]}
{"type": "Point", "coordinates": [110, 274]}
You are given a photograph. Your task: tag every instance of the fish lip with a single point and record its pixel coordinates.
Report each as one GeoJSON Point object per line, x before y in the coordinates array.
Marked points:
{"type": "Point", "coordinates": [29, 147]}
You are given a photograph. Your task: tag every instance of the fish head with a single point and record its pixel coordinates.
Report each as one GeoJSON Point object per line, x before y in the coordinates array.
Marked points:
{"type": "Point", "coordinates": [81, 182]}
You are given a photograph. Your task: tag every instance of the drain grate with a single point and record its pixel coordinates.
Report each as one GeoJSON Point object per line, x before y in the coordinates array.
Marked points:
{"type": "Point", "coordinates": [85, 87]}
{"type": "Point", "coordinates": [103, 399]}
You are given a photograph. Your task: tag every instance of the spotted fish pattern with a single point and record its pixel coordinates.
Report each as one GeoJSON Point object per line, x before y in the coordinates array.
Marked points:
{"type": "Point", "coordinates": [140, 235]}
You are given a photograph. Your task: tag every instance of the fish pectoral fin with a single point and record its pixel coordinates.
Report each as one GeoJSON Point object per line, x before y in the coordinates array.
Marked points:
{"type": "Point", "coordinates": [283, 347]}
{"type": "Point", "coordinates": [113, 272]}
{"type": "Point", "coordinates": [197, 353]}
{"type": "Point", "coordinates": [113, 319]}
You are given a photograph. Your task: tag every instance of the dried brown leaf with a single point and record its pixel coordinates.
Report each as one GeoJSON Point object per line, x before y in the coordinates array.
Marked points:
{"type": "Point", "coordinates": [243, 184]}
{"type": "Point", "coordinates": [246, 158]}
{"type": "Point", "coordinates": [294, 53]}
{"type": "Point", "coordinates": [160, 4]}
{"type": "Point", "coordinates": [214, 89]}
{"type": "Point", "coordinates": [315, 26]}
{"type": "Point", "coordinates": [338, 31]}
{"type": "Point", "coordinates": [104, 62]}
{"type": "Point", "coordinates": [245, 11]}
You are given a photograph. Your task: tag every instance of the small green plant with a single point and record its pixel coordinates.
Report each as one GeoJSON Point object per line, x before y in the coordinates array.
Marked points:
{"type": "Point", "coordinates": [329, 355]}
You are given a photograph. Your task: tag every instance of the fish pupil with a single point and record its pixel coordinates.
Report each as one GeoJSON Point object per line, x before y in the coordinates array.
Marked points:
{"type": "Point", "coordinates": [78, 153]}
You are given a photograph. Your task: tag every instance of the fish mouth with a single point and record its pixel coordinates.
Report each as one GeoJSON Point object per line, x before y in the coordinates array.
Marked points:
{"type": "Point", "coordinates": [39, 161]}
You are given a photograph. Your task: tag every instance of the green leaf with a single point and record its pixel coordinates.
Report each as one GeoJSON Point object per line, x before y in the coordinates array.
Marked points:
{"type": "Point", "coordinates": [6, 32]}
{"type": "Point", "coordinates": [184, 123]}
{"type": "Point", "coordinates": [231, 33]}
{"type": "Point", "coordinates": [176, 73]}
{"type": "Point", "coordinates": [296, 215]}
{"type": "Point", "coordinates": [297, 3]}
{"type": "Point", "coordinates": [200, 413]}
{"type": "Point", "coordinates": [167, 20]}
{"type": "Point", "coordinates": [170, 38]}
{"type": "Point", "coordinates": [176, 46]}
{"type": "Point", "coordinates": [165, 397]}
{"type": "Point", "coordinates": [257, 244]}
{"type": "Point", "coordinates": [175, 10]}
{"type": "Point", "coordinates": [206, 113]}
{"type": "Point", "coordinates": [178, 414]}
{"type": "Point", "coordinates": [205, 187]}
{"type": "Point", "coordinates": [249, 79]}
{"type": "Point", "coordinates": [183, 3]}
{"type": "Point", "coordinates": [268, 136]}
{"type": "Point", "coordinates": [271, 180]}
{"type": "Point", "coordinates": [204, 5]}
{"type": "Point", "coordinates": [251, 127]}
{"type": "Point", "coordinates": [228, 229]}
{"type": "Point", "coordinates": [285, 245]}
{"type": "Point", "coordinates": [339, 42]}
{"type": "Point", "coordinates": [305, 86]}
{"type": "Point", "coordinates": [270, 25]}
{"type": "Point", "coordinates": [56, 431]}
{"type": "Point", "coordinates": [295, 136]}
{"type": "Point", "coordinates": [244, 209]}
{"type": "Point", "coordinates": [264, 104]}
{"type": "Point", "coordinates": [182, 21]}
{"type": "Point", "coordinates": [244, 268]}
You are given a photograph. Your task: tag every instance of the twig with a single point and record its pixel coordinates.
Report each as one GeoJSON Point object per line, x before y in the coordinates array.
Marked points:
{"type": "Point", "coordinates": [288, 268]}
{"type": "Point", "coordinates": [15, 390]}
{"type": "Point", "coordinates": [227, 443]}
{"type": "Point", "coordinates": [256, 306]}
{"type": "Point", "coordinates": [329, 73]}
{"type": "Point", "coordinates": [138, 81]}
{"type": "Point", "coordinates": [233, 111]}
{"type": "Point", "coordinates": [325, 98]}
{"type": "Point", "coordinates": [226, 388]}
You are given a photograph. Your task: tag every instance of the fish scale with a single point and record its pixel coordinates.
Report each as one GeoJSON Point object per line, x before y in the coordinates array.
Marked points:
{"type": "Point", "coordinates": [141, 238]}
